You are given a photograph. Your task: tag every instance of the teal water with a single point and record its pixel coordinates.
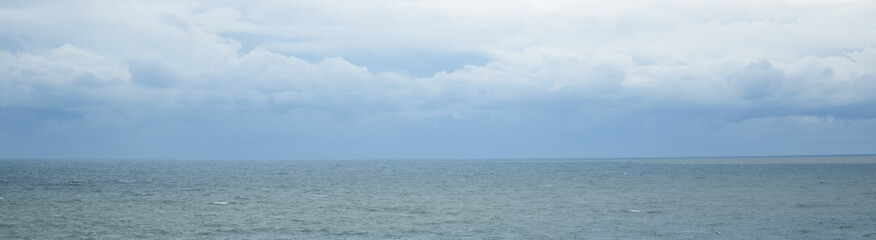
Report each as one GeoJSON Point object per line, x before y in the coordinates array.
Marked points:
{"type": "Point", "coordinates": [438, 199]}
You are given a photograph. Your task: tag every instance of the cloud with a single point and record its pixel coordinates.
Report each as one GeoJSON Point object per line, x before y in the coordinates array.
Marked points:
{"type": "Point", "coordinates": [758, 80]}
{"type": "Point", "coordinates": [350, 79]}
{"type": "Point", "coordinates": [151, 73]}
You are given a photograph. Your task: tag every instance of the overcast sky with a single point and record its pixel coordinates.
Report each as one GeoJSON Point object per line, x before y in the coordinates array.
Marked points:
{"type": "Point", "coordinates": [436, 79]}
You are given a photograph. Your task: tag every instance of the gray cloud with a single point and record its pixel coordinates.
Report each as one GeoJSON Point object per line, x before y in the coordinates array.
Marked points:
{"type": "Point", "coordinates": [758, 80]}
{"type": "Point", "coordinates": [151, 73]}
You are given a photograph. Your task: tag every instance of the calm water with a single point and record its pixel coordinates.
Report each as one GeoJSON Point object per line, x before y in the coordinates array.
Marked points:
{"type": "Point", "coordinates": [439, 199]}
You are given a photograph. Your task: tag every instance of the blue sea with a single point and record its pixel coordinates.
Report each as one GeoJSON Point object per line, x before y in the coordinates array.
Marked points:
{"type": "Point", "coordinates": [688, 198]}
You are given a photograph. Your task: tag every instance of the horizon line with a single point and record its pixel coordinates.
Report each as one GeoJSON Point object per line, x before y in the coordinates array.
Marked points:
{"type": "Point", "coordinates": [450, 158]}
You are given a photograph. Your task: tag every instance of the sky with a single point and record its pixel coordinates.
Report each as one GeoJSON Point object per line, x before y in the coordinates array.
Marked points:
{"type": "Point", "coordinates": [398, 79]}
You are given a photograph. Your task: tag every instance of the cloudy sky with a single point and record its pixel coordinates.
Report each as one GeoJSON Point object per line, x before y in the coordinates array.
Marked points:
{"type": "Point", "coordinates": [436, 79]}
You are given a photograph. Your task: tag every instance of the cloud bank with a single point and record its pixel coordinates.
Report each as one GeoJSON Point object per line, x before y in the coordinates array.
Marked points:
{"type": "Point", "coordinates": [427, 79]}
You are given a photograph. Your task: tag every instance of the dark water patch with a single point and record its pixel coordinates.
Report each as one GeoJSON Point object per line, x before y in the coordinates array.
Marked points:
{"type": "Point", "coordinates": [811, 205]}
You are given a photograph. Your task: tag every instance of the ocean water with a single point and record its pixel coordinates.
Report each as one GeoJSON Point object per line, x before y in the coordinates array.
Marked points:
{"type": "Point", "coordinates": [746, 198]}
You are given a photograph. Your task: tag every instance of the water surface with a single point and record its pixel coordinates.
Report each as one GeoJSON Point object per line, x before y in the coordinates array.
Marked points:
{"type": "Point", "coordinates": [727, 198]}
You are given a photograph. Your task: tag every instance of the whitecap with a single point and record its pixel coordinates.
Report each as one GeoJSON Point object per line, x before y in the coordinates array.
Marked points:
{"type": "Point", "coordinates": [220, 203]}
{"type": "Point", "coordinates": [634, 210]}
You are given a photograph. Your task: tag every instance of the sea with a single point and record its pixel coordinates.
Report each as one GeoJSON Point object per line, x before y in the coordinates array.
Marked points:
{"type": "Point", "coordinates": [814, 197]}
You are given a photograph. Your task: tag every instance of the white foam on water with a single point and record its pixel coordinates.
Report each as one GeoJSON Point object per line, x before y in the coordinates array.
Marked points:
{"type": "Point", "coordinates": [220, 203]}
